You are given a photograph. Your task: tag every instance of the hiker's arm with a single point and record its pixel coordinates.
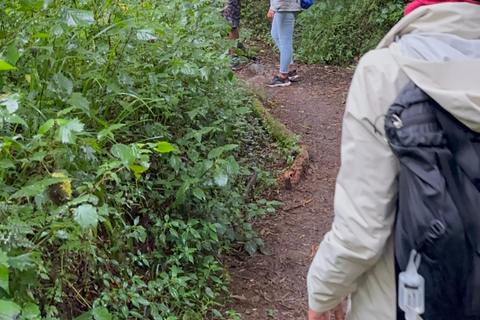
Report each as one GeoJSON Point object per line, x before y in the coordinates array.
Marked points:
{"type": "Point", "coordinates": [274, 5]}
{"type": "Point", "coordinates": [365, 192]}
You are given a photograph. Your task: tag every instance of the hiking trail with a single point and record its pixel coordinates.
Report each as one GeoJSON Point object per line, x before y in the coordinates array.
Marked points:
{"type": "Point", "coordinates": [274, 286]}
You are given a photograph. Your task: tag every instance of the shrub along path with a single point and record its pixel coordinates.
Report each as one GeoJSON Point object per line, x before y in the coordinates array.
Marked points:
{"type": "Point", "coordinates": [274, 285]}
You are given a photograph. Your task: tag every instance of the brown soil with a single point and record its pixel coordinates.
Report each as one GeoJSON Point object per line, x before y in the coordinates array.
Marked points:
{"type": "Point", "coordinates": [312, 108]}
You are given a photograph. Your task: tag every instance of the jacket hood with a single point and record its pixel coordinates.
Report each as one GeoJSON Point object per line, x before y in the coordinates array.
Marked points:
{"type": "Point", "coordinates": [438, 47]}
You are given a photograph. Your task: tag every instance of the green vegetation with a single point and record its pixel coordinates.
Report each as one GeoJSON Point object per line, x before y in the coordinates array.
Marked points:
{"type": "Point", "coordinates": [331, 31]}
{"type": "Point", "coordinates": [125, 151]}
{"type": "Point", "coordinates": [337, 32]}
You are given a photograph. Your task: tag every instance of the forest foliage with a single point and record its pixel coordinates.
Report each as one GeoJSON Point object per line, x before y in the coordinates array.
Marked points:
{"type": "Point", "coordinates": [124, 153]}
{"type": "Point", "coordinates": [335, 32]}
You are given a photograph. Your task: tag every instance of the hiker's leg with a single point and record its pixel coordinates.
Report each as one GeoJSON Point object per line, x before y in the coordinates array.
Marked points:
{"type": "Point", "coordinates": [274, 31]}
{"type": "Point", "coordinates": [286, 23]}
{"type": "Point", "coordinates": [234, 35]}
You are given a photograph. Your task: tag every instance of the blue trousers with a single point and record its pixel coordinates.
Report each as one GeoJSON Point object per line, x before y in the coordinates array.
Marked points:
{"type": "Point", "coordinates": [282, 33]}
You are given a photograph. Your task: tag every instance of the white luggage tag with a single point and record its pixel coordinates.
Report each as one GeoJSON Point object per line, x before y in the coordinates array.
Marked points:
{"type": "Point", "coordinates": [411, 289]}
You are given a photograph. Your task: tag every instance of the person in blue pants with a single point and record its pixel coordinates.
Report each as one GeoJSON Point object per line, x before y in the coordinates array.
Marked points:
{"type": "Point", "coordinates": [282, 13]}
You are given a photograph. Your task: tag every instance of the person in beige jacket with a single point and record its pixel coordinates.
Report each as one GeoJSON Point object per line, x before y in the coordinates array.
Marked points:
{"type": "Point", "coordinates": [438, 48]}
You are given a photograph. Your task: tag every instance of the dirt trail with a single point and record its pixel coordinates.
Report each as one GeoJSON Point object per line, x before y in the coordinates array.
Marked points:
{"type": "Point", "coordinates": [313, 107]}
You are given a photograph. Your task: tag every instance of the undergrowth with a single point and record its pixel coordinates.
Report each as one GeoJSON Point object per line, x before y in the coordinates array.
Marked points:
{"type": "Point", "coordinates": [125, 153]}
{"type": "Point", "coordinates": [340, 32]}
{"type": "Point", "coordinates": [331, 31]}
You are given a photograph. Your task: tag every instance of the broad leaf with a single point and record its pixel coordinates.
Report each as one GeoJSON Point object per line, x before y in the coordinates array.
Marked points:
{"type": "Point", "coordinates": [67, 132]}
{"type": "Point", "coordinates": [146, 34]}
{"type": "Point", "coordinates": [77, 100]}
{"type": "Point", "coordinates": [46, 126]}
{"type": "Point", "coordinates": [137, 170]}
{"type": "Point", "coordinates": [36, 188]}
{"type": "Point", "coordinates": [41, 35]}
{"type": "Point", "coordinates": [21, 262]}
{"type": "Point", "coordinates": [6, 164]}
{"type": "Point", "coordinates": [101, 313]}
{"type": "Point", "coordinates": [63, 83]}
{"type": "Point", "coordinates": [124, 153]}
{"type": "Point", "coordinates": [164, 147]}
{"type": "Point", "coordinates": [86, 216]}
{"type": "Point", "coordinates": [199, 193]}
{"type": "Point", "coordinates": [221, 178]}
{"type": "Point", "coordinates": [4, 278]}
{"type": "Point", "coordinates": [251, 247]}
{"type": "Point", "coordinates": [6, 66]}
{"type": "Point", "coordinates": [78, 18]}
{"type": "Point", "coordinates": [9, 310]}
{"type": "Point", "coordinates": [215, 153]}
{"type": "Point", "coordinates": [31, 311]}
{"type": "Point", "coordinates": [10, 102]}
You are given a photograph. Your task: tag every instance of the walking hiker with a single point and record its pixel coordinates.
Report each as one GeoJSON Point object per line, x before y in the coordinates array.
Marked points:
{"type": "Point", "coordinates": [282, 13]}
{"type": "Point", "coordinates": [233, 14]}
{"type": "Point", "coordinates": [410, 163]}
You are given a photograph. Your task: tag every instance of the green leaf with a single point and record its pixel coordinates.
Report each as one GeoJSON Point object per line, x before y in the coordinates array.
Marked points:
{"type": "Point", "coordinates": [36, 188]}
{"type": "Point", "coordinates": [215, 153]}
{"type": "Point", "coordinates": [109, 131]}
{"type": "Point", "coordinates": [85, 316]}
{"type": "Point", "coordinates": [221, 178]}
{"type": "Point", "coordinates": [31, 311]}
{"type": "Point", "coordinates": [46, 126]}
{"type": "Point", "coordinates": [21, 262]}
{"type": "Point", "coordinates": [4, 278]}
{"type": "Point", "coordinates": [64, 83]}
{"type": "Point", "coordinates": [146, 34]}
{"type": "Point", "coordinates": [175, 162]}
{"type": "Point", "coordinates": [77, 100]}
{"type": "Point", "coordinates": [229, 147]}
{"type": "Point", "coordinates": [41, 35]}
{"type": "Point", "coordinates": [6, 164]}
{"type": "Point", "coordinates": [38, 156]}
{"type": "Point", "coordinates": [271, 313]}
{"type": "Point", "coordinates": [242, 110]}
{"type": "Point", "coordinates": [164, 147]}
{"type": "Point", "coordinates": [16, 119]}
{"type": "Point", "coordinates": [9, 310]}
{"type": "Point", "coordinates": [209, 292]}
{"type": "Point", "coordinates": [199, 193]}
{"type": "Point", "coordinates": [251, 247]}
{"type": "Point", "coordinates": [78, 18]}
{"type": "Point", "coordinates": [231, 76]}
{"type": "Point", "coordinates": [101, 313]}
{"type": "Point", "coordinates": [4, 66]}
{"type": "Point", "coordinates": [124, 153]}
{"type": "Point", "coordinates": [137, 170]}
{"type": "Point", "coordinates": [86, 216]}
{"type": "Point", "coordinates": [10, 102]}
{"type": "Point", "coordinates": [12, 53]}
{"type": "Point", "coordinates": [67, 132]}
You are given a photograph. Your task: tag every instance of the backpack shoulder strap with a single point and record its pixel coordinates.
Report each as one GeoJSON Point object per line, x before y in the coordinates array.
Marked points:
{"type": "Point", "coordinates": [459, 141]}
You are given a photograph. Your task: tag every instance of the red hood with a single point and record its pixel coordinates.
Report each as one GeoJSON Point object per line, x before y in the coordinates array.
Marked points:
{"type": "Point", "coordinates": [418, 3]}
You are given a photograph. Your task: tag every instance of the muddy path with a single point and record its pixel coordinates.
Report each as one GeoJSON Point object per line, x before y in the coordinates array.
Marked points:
{"type": "Point", "coordinates": [274, 286]}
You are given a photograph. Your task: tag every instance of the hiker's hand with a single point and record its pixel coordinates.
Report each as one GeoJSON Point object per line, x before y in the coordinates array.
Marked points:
{"type": "Point", "coordinates": [270, 15]}
{"type": "Point", "coordinates": [338, 311]}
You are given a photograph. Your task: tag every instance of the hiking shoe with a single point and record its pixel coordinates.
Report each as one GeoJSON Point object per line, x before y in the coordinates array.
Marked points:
{"type": "Point", "coordinates": [235, 63]}
{"type": "Point", "coordinates": [293, 75]}
{"type": "Point", "coordinates": [278, 82]}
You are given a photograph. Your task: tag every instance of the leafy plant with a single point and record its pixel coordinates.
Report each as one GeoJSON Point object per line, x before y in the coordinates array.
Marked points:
{"type": "Point", "coordinates": [338, 32]}
{"type": "Point", "coordinates": [124, 155]}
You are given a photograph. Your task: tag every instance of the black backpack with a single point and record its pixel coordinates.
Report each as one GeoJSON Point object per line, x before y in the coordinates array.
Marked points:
{"type": "Point", "coordinates": [438, 203]}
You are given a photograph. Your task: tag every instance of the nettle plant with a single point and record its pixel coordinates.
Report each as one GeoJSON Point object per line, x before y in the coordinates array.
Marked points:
{"type": "Point", "coordinates": [124, 151]}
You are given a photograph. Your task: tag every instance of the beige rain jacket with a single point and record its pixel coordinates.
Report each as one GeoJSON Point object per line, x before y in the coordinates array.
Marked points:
{"type": "Point", "coordinates": [356, 257]}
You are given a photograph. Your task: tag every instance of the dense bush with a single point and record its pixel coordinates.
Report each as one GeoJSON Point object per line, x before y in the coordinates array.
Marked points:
{"type": "Point", "coordinates": [124, 154]}
{"type": "Point", "coordinates": [335, 32]}
{"type": "Point", "coordinates": [331, 31]}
